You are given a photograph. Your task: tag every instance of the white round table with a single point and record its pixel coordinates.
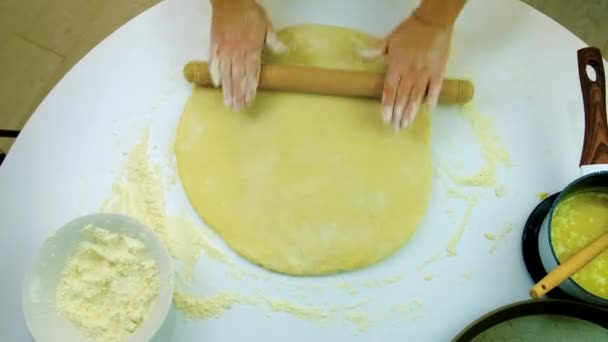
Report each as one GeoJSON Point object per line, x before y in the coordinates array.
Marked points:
{"type": "Point", "coordinates": [524, 68]}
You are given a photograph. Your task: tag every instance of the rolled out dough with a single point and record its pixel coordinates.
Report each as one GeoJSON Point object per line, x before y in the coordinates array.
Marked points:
{"type": "Point", "coordinates": [306, 184]}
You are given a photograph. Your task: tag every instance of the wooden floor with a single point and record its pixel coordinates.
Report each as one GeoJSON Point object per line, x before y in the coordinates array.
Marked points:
{"type": "Point", "coordinates": [40, 40]}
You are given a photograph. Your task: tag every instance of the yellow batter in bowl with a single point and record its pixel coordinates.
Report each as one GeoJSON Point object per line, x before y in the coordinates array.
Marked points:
{"type": "Point", "coordinates": [578, 219]}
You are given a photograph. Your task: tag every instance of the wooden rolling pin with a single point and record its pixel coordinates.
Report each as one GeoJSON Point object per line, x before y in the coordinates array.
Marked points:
{"type": "Point", "coordinates": [571, 266]}
{"type": "Point", "coordinates": [289, 78]}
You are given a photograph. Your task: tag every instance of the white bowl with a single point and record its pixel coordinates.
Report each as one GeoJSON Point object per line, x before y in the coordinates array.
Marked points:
{"type": "Point", "coordinates": [41, 280]}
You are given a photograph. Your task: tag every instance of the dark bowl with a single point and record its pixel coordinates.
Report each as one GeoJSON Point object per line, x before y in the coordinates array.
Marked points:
{"type": "Point", "coordinates": [573, 309]}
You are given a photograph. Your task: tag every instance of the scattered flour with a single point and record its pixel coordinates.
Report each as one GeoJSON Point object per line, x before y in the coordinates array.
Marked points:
{"type": "Point", "coordinates": [489, 236]}
{"type": "Point", "coordinates": [542, 195]}
{"type": "Point", "coordinates": [431, 260]}
{"type": "Point", "coordinates": [504, 231]}
{"type": "Point", "coordinates": [467, 275]}
{"type": "Point", "coordinates": [469, 187]}
{"type": "Point", "coordinates": [305, 312]}
{"type": "Point", "coordinates": [494, 153]}
{"type": "Point", "coordinates": [360, 319]}
{"type": "Point", "coordinates": [410, 310]}
{"type": "Point", "coordinates": [199, 307]}
{"type": "Point", "coordinates": [500, 191]}
{"type": "Point", "coordinates": [205, 307]}
{"type": "Point", "coordinates": [453, 243]}
{"type": "Point", "coordinates": [348, 287]}
{"type": "Point", "coordinates": [139, 193]}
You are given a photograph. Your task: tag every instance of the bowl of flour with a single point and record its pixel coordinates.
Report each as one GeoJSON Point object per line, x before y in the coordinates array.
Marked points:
{"type": "Point", "coordinates": [101, 278]}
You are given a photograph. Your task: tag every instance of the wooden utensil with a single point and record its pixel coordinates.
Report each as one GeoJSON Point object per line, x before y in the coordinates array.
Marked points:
{"type": "Point", "coordinates": [595, 144]}
{"type": "Point", "coordinates": [290, 78]}
{"type": "Point", "coordinates": [571, 266]}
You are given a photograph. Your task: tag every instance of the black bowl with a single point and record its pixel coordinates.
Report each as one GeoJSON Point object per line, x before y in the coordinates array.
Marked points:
{"type": "Point", "coordinates": [573, 309]}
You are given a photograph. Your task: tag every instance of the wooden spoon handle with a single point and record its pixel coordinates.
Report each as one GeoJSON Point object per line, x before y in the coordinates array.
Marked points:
{"type": "Point", "coordinates": [571, 266]}
{"type": "Point", "coordinates": [595, 145]}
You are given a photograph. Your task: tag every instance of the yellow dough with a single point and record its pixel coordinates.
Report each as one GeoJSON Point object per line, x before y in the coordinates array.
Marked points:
{"type": "Point", "coordinates": [305, 184]}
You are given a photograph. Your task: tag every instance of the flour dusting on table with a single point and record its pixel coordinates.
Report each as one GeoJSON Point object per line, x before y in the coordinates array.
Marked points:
{"type": "Point", "coordinates": [139, 192]}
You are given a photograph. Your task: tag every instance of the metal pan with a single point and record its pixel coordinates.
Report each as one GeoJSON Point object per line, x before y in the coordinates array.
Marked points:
{"type": "Point", "coordinates": [587, 312]}
{"type": "Point", "coordinates": [593, 163]}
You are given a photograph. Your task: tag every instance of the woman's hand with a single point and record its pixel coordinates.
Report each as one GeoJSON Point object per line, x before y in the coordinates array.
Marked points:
{"type": "Point", "coordinates": [239, 30]}
{"type": "Point", "coordinates": [416, 53]}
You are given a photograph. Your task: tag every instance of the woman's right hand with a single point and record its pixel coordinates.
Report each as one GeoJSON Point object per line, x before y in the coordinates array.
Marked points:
{"type": "Point", "coordinates": [239, 30]}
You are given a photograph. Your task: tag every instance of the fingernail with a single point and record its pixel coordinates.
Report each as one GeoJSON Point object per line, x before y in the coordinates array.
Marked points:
{"type": "Point", "coordinates": [281, 47]}
{"type": "Point", "coordinates": [214, 70]}
{"type": "Point", "coordinates": [411, 115]}
{"type": "Point", "coordinates": [432, 104]}
{"type": "Point", "coordinates": [236, 106]}
{"type": "Point", "coordinates": [387, 113]}
{"type": "Point", "coordinates": [399, 110]}
{"type": "Point", "coordinates": [276, 45]}
{"type": "Point", "coordinates": [227, 100]}
{"type": "Point", "coordinates": [248, 98]}
{"type": "Point", "coordinates": [407, 121]}
{"type": "Point", "coordinates": [369, 53]}
{"type": "Point", "coordinates": [397, 123]}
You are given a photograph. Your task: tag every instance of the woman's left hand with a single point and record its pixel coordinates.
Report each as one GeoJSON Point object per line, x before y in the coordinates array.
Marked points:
{"type": "Point", "coordinates": [416, 53]}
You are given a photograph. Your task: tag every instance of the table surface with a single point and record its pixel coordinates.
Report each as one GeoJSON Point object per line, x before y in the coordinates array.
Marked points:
{"type": "Point", "coordinates": [525, 70]}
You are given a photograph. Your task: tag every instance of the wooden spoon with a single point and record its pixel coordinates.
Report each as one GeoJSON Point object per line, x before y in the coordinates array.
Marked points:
{"type": "Point", "coordinates": [571, 266]}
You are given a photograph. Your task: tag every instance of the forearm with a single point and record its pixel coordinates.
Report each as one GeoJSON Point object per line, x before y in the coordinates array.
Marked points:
{"type": "Point", "coordinates": [229, 3]}
{"type": "Point", "coordinates": [439, 12]}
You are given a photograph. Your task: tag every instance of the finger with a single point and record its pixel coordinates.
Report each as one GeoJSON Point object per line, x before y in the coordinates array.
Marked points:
{"type": "Point", "coordinates": [402, 99]}
{"type": "Point", "coordinates": [226, 71]}
{"type": "Point", "coordinates": [252, 74]}
{"type": "Point", "coordinates": [274, 43]}
{"type": "Point", "coordinates": [239, 81]}
{"type": "Point", "coordinates": [434, 91]}
{"type": "Point", "coordinates": [272, 40]}
{"type": "Point", "coordinates": [214, 65]}
{"type": "Point", "coordinates": [373, 52]}
{"type": "Point", "coordinates": [415, 98]}
{"type": "Point", "coordinates": [391, 83]}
